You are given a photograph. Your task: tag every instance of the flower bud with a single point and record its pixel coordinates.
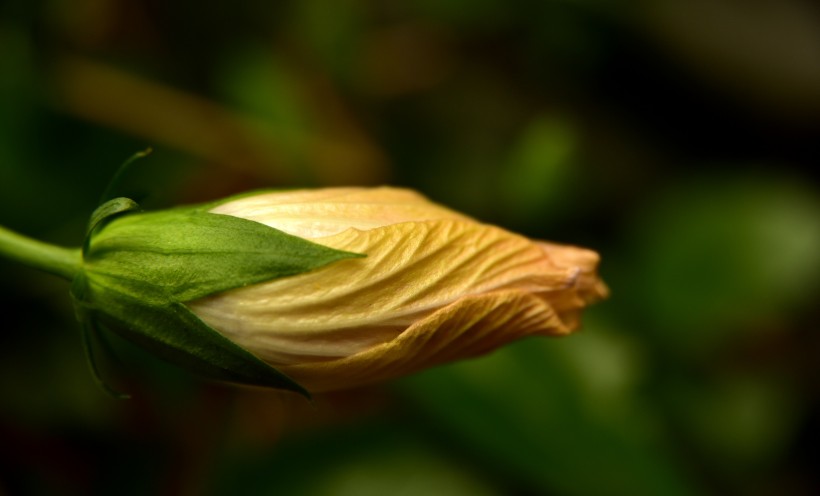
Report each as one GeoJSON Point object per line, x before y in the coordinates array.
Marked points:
{"type": "Point", "coordinates": [435, 286]}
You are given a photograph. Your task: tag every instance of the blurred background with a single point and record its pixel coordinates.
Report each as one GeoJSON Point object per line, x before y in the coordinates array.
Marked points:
{"type": "Point", "coordinates": [679, 139]}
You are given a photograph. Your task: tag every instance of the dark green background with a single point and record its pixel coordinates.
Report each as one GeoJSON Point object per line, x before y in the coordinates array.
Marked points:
{"type": "Point", "coordinates": [676, 138]}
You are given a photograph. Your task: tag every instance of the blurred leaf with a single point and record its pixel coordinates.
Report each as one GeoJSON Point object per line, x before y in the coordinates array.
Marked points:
{"type": "Point", "coordinates": [524, 410]}
{"type": "Point", "coordinates": [372, 459]}
{"type": "Point", "coordinates": [720, 256]}
{"type": "Point", "coordinates": [741, 423]}
{"type": "Point", "coordinates": [257, 82]}
{"type": "Point", "coordinates": [539, 178]}
{"type": "Point", "coordinates": [410, 471]}
{"type": "Point", "coordinates": [333, 30]}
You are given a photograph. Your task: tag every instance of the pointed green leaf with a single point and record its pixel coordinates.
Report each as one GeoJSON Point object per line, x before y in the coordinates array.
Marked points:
{"type": "Point", "coordinates": [91, 340]}
{"type": "Point", "coordinates": [109, 209]}
{"type": "Point", "coordinates": [186, 253]}
{"type": "Point", "coordinates": [176, 334]}
{"type": "Point", "coordinates": [104, 213]}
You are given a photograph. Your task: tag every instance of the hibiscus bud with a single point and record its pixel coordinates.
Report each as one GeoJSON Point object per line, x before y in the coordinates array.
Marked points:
{"type": "Point", "coordinates": [435, 286]}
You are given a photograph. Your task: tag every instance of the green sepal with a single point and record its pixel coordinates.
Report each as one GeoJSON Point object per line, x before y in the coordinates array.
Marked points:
{"type": "Point", "coordinates": [173, 332]}
{"type": "Point", "coordinates": [105, 213]}
{"type": "Point", "coordinates": [184, 254]}
{"type": "Point", "coordinates": [109, 210]}
{"type": "Point", "coordinates": [92, 338]}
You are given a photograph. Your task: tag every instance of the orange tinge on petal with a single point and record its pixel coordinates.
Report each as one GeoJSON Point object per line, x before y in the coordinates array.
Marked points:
{"type": "Point", "coordinates": [436, 286]}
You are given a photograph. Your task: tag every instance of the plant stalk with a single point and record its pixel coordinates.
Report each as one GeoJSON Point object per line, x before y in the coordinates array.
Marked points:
{"type": "Point", "coordinates": [63, 262]}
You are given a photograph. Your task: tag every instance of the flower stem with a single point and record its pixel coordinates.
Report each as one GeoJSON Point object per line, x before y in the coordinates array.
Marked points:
{"type": "Point", "coordinates": [63, 262]}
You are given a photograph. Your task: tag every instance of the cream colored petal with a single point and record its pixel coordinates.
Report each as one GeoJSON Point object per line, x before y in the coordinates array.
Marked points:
{"type": "Point", "coordinates": [325, 212]}
{"type": "Point", "coordinates": [471, 326]}
{"type": "Point", "coordinates": [411, 270]}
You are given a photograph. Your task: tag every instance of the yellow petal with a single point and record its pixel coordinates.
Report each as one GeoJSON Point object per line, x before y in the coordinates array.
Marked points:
{"type": "Point", "coordinates": [412, 269]}
{"type": "Point", "coordinates": [471, 326]}
{"type": "Point", "coordinates": [325, 212]}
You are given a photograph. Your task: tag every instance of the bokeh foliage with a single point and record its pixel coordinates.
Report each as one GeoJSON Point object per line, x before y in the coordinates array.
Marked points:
{"type": "Point", "coordinates": [679, 139]}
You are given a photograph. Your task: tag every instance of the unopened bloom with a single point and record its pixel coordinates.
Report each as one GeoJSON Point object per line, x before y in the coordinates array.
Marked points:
{"type": "Point", "coordinates": [434, 286]}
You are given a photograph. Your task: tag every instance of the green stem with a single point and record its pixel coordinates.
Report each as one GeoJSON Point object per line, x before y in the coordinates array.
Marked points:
{"type": "Point", "coordinates": [63, 262]}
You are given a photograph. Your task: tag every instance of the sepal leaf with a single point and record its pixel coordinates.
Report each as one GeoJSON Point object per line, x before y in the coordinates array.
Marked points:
{"type": "Point", "coordinates": [186, 253]}
{"type": "Point", "coordinates": [172, 332]}
{"type": "Point", "coordinates": [105, 213]}
{"type": "Point", "coordinates": [91, 339]}
{"type": "Point", "coordinates": [109, 210]}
